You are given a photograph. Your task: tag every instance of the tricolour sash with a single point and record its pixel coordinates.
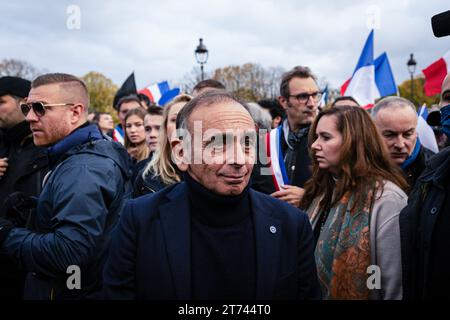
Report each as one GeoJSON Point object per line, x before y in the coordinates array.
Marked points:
{"type": "Point", "coordinates": [275, 154]}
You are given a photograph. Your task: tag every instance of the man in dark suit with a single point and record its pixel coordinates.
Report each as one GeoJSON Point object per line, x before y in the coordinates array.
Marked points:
{"type": "Point", "coordinates": [211, 236]}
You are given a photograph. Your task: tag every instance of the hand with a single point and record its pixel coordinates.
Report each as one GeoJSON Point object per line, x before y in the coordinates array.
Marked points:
{"type": "Point", "coordinates": [3, 166]}
{"type": "Point", "coordinates": [19, 208]}
{"type": "Point", "coordinates": [291, 194]}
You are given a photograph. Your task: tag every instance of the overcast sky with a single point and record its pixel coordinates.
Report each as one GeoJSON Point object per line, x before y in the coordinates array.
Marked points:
{"type": "Point", "coordinates": [157, 39]}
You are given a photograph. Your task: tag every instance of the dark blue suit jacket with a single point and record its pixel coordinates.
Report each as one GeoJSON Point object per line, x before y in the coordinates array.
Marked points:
{"type": "Point", "coordinates": [150, 255]}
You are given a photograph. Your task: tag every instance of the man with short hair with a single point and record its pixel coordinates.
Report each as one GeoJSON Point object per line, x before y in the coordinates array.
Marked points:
{"type": "Point", "coordinates": [152, 124]}
{"type": "Point", "coordinates": [82, 196]}
{"type": "Point", "coordinates": [345, 101]}
{"type": "Point", "coordinates": [288, 144]}
{"type": "Point", "coordinates": [396, 119]}
{"type": "Point", "coordinates": [22, 169]}
{"type": "Point", "coordinates": [206, 85]}
{"type": "Point", "coordinates": [211, 236]}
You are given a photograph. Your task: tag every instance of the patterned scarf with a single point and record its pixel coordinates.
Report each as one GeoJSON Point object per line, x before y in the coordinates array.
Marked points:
{"type": "Point", "coordinates": [343, 248]}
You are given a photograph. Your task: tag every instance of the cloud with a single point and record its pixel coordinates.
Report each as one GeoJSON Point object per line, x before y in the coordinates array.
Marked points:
{"type": "Point", "coordinates": [157, 39]}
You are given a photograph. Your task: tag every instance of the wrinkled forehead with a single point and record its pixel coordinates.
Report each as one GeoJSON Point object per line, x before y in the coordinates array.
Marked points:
{"type": "Point", "coordinates": [224, 116]}
{"type": "Point", "coordinates": [396, 119]}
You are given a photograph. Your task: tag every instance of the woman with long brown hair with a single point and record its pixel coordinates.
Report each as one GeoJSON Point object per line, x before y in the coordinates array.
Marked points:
{"type": "Point", "coordinates": [160, 171]}
{"type": "Point", "coordinates": [135, 134]}
{"type": "Point", "coordinates": [354, 199]}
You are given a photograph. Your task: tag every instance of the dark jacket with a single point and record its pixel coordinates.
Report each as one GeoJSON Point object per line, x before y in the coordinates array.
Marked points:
{"type": "Point", "coordinates": [27, 166]}
{"type": "Point", "coordinates": [426, 204]}
{"type": "Point", "coordinates": [149, 184]}
{"type": "Point", "coordinates": [413, 172]}
{"type": "Point", "coordinates": [76, 214]}
{"type": "Point", "coordinates": [150, 255]}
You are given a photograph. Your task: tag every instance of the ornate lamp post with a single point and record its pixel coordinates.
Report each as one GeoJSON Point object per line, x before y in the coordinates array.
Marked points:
{"type": "Point", "coordinates": [411, 69]}
{"type": "Point", "coordinates": [201, 55]}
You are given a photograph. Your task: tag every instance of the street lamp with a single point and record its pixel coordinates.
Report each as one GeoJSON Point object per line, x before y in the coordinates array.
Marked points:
{"type": "Point", "coordinates": [412, 68]}
{"type": "Point", "coordinates": [201, 54]}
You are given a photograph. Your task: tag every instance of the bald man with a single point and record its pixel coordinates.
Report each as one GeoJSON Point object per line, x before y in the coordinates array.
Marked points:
{"type": "Point", "coordinates": [212, 236]}
{"type": "Point", "coordinates": [63, 251]}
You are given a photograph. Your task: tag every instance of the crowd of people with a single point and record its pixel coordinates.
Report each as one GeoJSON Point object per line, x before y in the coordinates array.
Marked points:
{"type": "Point", "coordinates": [210, 197]}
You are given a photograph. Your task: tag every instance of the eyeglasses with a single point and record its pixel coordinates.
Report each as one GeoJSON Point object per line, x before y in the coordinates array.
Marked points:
{"type": "Point", "coordinates": [304, 97]}
{"type": "Point", "coordinates": [39, 108]}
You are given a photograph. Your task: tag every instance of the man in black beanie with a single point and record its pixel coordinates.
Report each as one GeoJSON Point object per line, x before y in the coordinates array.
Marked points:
{"type": "Point", "coordinates": [22, 169]}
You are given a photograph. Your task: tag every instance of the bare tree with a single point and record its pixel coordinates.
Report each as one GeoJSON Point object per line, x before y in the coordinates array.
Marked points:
{"type": "Point", "coordinates": [191, 79]}
{"type": "Point", "coordinates": [18, 68]}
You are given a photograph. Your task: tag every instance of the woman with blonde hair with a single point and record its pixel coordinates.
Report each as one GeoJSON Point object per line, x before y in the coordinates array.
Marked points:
{"type": "Point", "coordinates": [161, 171]}
{"type": "Point", "coordinates": [135, 134]}
{"type": "Point", "coordinates": [354, 199]}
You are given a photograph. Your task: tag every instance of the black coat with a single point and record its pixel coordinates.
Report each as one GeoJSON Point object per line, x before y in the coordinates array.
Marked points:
{"type": "Point", "coordinates": [426, 204]}
{"type": "Point", "coordinates": [27, 166]}
{"type": "Point", "coordinates": [150, 255]}
{"type": "Point", "coordinates": [418, 166]}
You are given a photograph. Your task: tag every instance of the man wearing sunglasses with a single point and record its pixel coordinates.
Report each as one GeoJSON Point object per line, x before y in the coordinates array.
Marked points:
{"type": "Point", "coordinates": [299, 96]}
{"type": "Point", "coordinates": [22, 169]}
{"type": "Point", "coordinates": [81, 199]}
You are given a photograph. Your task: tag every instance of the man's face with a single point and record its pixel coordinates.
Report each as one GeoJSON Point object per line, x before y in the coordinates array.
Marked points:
{"type": "Point", "coordinates": [124, 108]}
{"type": "Point", "coordinates": [228, 140]}
{"type": "Point", "coordinates": [300, 113]}
{"type": "Point", "coordinates": [10, 113]}
{"type": "Point", "coordinates": [55, 124]}
{"type": "Point", "coordinates": [152, 125]}
{"type": "Point", "coordinates": [398, 129]}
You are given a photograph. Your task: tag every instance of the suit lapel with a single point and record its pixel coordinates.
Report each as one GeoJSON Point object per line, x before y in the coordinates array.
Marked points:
{"type": "Point", "coordinates": [268, 238]}
{"type": "Point", "coordinates": [176, 225]}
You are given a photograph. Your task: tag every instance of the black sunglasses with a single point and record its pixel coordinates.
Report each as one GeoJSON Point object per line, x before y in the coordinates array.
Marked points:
{"type": "Point", "coordinates": [39, 107]}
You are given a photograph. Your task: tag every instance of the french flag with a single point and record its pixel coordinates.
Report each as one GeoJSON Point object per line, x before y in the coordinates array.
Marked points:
{"type": "Point", "coordinates": [384, 78]}
{"type": "Point", "coordinates": [361, 85]}
{"type": "Point", "coordinates": [160, 93]}
{"type": "Point", "coordinates": [435, 74]}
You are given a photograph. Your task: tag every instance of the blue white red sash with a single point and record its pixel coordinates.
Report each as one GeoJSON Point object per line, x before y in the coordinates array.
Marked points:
{"type": "Point", "coordinates": [118, 135]}
{"type": "Point", "coordinates": [275, 154]}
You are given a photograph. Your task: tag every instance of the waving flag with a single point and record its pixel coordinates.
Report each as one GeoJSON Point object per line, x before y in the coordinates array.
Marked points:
{"type": "Point", "coordinates": [384, 78]}
{"type": "Point", "coordinates": [425, 132]}
{"type": "Point", "coordinates": [361, 85]}
{"type": "Point", "coordinates": [435, 74]}
{"type": "Point", "coordinates": [160, 93]}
